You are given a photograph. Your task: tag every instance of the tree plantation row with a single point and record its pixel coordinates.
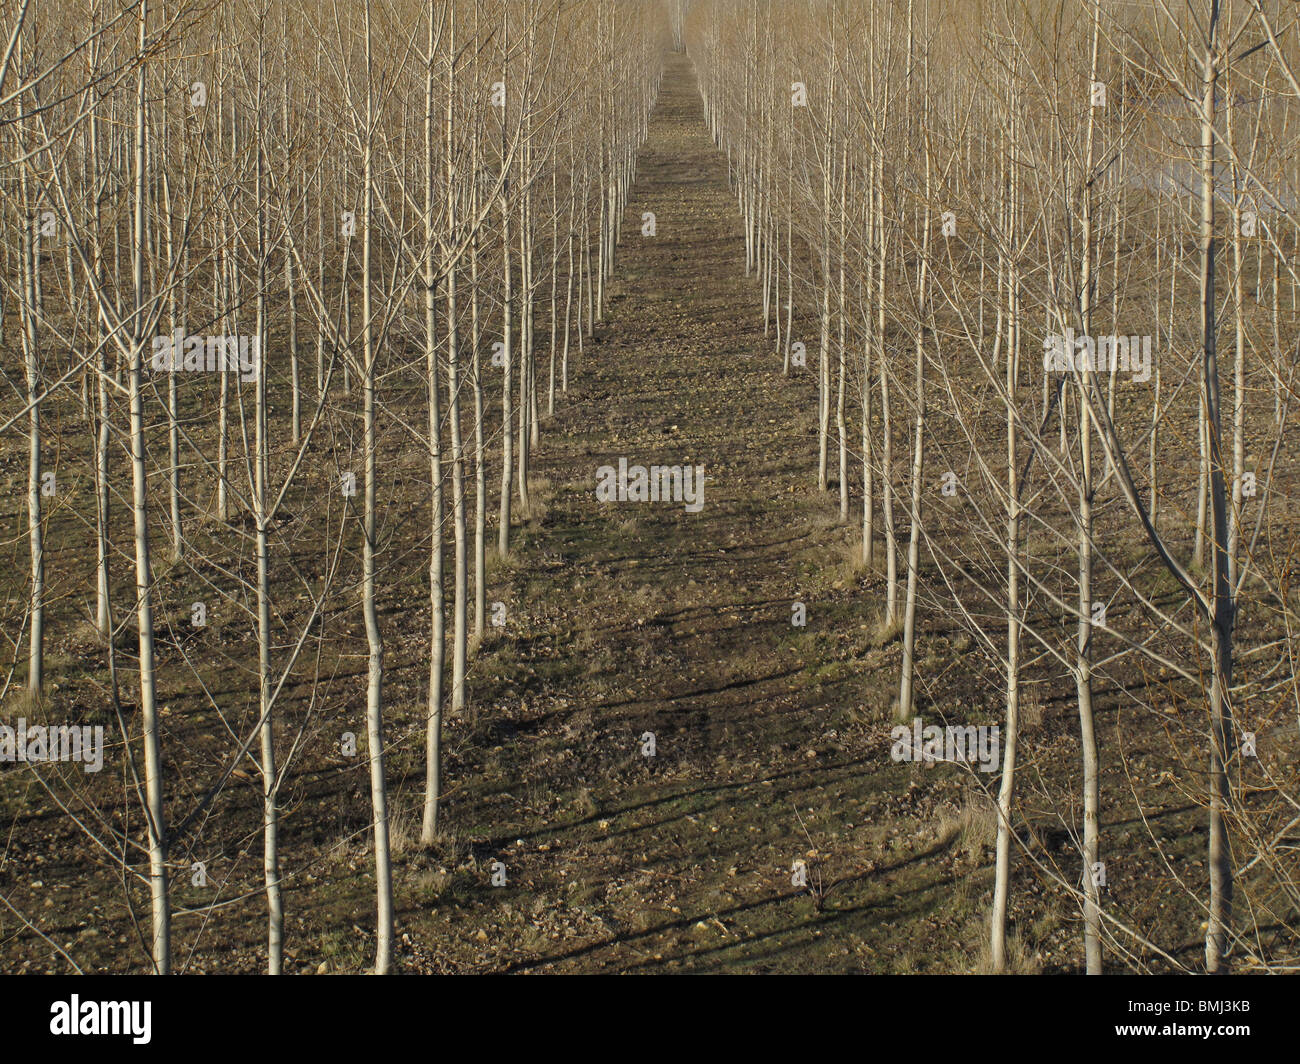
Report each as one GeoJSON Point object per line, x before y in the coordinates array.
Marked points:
{"type": "Point", "coordinates": [1041, 260]}
{"type": "Point", "coordinates": [243, 243]}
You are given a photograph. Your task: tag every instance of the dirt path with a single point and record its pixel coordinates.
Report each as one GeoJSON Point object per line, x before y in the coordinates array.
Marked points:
{"type": "Point", "coordinates": [641, 617]}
